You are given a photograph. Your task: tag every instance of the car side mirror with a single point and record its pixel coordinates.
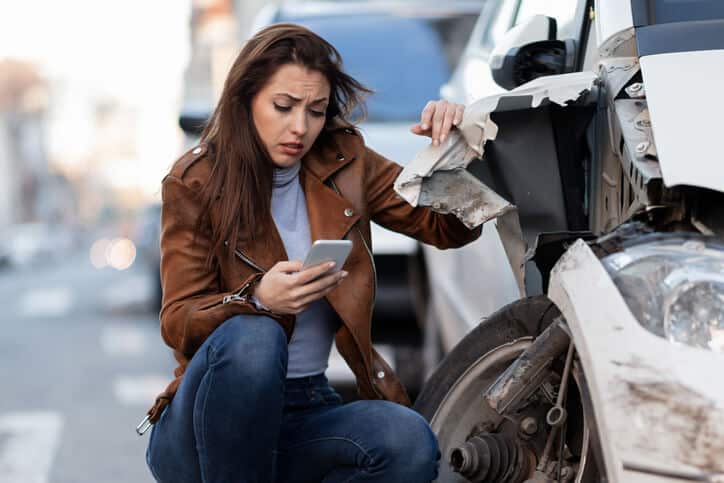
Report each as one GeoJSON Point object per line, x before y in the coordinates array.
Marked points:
{"type": "Point", "coordinates": [530, 50]}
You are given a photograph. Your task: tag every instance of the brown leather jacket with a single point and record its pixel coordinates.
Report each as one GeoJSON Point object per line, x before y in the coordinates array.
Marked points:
{"type": "Point", "coordinates": [346, 186]}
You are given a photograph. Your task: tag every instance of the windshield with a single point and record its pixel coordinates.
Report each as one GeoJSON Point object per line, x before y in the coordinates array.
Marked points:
{"type": "Point", "coordinates": [404, 60]}
{"type": "Point", "coordinates": [668, 11]}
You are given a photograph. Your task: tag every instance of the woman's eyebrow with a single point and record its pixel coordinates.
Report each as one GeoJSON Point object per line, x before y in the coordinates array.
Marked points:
{"type": "Point", "coordinates": [296, 99]}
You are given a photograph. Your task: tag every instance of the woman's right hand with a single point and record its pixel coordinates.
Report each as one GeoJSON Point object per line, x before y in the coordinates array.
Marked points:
{"type": "Point", "coordinates": [287, 289]}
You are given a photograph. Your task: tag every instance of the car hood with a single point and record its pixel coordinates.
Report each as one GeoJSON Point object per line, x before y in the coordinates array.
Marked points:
{"type": "Point", "coordinates": [683, 92]}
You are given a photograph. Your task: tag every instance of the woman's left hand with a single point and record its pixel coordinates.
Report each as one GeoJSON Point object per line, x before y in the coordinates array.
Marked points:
{"type": "Point", "coordinates": [437, 119]}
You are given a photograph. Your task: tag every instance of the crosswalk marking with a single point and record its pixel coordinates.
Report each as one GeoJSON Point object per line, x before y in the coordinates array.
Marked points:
{"type": "Point", "coordinates": [123, 340]}
{"type": "Point", "coordinates": [132, 289]}
{"type": "Point", "coordinates": [139, 390]}
{"type": "Point", "coordinates": [28, 443]}
{"type": "Point", "coordinates": [46, 302]}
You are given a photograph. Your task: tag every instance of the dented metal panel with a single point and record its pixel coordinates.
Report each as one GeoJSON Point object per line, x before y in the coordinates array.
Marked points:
{"type": "Point", "coordinates": [658, 401]}
{"type": "Point", "coordinates": [438, 178]}
{"type": "Point", "coordinates": [468, 141]}
{"type": "Point", "coordinates": [458, 192]}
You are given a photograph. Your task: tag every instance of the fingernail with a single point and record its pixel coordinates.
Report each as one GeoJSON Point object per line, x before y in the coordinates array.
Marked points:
{"type": "Point", "coordinates": [425, 126]}
{"type": "Point", "coordinates": [456, 121]}
{"type": "Point", "coordinates": [435, 142]}
{"type": "Point", "coordinates": [442, 138]}
{"type": "Point", "coordinates": [331, 264]}
{"type": "Point", "coordinates": [344, 274]}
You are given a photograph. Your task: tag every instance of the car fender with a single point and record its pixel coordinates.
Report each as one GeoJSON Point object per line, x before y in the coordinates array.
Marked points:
{"type": "Point", "coordinates": [657, 409]}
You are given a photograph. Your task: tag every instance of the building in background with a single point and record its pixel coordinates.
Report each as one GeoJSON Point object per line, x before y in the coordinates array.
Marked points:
{"type": "Point", "coordinates": [218, 30]}
{"type": "Point", "coordinates": [29, 191]}
{"type": "Point", "coordinates": [214, 43]}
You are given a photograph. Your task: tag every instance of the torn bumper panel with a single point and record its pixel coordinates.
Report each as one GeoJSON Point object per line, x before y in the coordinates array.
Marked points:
{"type": "Point", "coordinates": [438, 176]}
{"type": "Point", "coordinates": [468, 143]}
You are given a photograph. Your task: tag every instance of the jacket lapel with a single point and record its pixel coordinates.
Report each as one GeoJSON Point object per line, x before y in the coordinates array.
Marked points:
{"type": "Point", "coordinates": [330, 215]}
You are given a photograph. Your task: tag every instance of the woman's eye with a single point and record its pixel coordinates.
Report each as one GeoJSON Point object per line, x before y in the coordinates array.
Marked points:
{"type": "Point", "coordinates": [282, 108]}
{"type": "Point", "coordinates": [317, 113]}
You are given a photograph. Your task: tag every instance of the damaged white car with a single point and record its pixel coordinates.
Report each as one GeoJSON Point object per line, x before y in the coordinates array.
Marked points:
{"type": "Point", "coordinates": [603, 175]}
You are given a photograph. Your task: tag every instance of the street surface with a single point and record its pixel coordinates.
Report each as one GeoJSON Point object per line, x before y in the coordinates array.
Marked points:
{"type": "Point", "coordinates": [82, 360]}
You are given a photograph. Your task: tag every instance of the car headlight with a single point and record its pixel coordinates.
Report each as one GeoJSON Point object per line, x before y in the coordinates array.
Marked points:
{"type": "Point", "coordinates": [675, 288]}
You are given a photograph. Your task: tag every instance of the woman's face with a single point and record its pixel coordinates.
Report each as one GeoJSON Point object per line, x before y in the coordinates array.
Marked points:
{"type": "Point", "coordinates": [289, 112]}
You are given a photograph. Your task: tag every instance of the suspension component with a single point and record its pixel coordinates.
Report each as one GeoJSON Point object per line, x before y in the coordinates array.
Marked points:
{"type": "Point", "coordinates": [491, 458]}
{"type": "Point", "coordinates": [525, 374]}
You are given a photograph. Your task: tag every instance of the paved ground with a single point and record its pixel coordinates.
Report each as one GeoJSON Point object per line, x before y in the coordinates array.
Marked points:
{"type": "Point", "coordinates": [82, 360]}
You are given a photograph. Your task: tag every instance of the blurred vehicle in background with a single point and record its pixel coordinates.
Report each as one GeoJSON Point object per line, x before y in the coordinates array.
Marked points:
{"type": "Point", "coordinates": [24, 244]}
{"type": "Point", "coordinates": [147, 238]}
{"type": "Point", "coordinates": [403, 51]}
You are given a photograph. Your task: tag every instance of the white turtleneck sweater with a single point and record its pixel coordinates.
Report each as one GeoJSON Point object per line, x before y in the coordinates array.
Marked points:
{"type": "Point", "coordinates": [315, 327]}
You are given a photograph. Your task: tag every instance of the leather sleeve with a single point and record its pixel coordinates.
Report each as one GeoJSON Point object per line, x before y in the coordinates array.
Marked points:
{"type": "Point", "coordinates": [390, 210]}
{"type": "Point", "coordinates": [193, 305]}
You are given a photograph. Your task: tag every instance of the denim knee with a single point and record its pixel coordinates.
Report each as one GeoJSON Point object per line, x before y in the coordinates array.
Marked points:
{"type": "Point", "coordinates": [254, 346]}
{"type": "Point", "coordinates": [407, 444]}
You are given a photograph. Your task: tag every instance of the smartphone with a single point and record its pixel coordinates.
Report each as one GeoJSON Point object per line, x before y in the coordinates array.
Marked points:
{"type": "Point", "coordinates": [326, 251]}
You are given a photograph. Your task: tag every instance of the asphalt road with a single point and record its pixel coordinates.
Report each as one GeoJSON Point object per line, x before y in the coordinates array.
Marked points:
{"type": "Point", "coordinates": [81, 360]}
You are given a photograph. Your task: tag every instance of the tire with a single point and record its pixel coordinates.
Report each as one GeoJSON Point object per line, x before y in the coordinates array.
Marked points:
{"type": "Point", "coordinates": [450, 398]}
{"type": "Point", "coordinates": [525, 318]}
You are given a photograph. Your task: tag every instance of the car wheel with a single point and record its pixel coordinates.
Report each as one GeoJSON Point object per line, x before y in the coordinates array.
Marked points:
{"type": "Point", "coordinates": [451, 398]}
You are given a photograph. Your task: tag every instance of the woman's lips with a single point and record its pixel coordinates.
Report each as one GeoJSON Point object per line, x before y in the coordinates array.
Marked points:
{"type": "Point", "coordinates": [292, 148]}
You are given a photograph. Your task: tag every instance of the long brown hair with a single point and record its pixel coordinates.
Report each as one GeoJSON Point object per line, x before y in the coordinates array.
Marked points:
{"type": "Point", "coordinates": [242, 173]}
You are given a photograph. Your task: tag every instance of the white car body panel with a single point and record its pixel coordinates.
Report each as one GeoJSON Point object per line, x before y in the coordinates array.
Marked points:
{"type": "Point", "coordinates": [471, 81]}
{"type": "Point", "coordinates": [470, 282]}
{"type": "Point", "coordinates": [472, 78]}
{"type": "Point", "coordinates": [656, 397]}
{"type": "Point", "coordinates": [685, 104]}
{"type": "Point", "coordinates": [612, 18]}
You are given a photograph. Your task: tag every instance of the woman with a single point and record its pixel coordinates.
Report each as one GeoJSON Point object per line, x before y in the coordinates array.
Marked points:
{"type": "Point", "coordinates": [279, 165]}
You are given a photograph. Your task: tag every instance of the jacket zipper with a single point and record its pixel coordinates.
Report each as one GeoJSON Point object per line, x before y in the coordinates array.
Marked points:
{"type": "Point", "coordinates": [244, 258]}
{"type": "Point", "coordinates": [374, 272]}
{"type": "Point", "coordinates": [239, 296]}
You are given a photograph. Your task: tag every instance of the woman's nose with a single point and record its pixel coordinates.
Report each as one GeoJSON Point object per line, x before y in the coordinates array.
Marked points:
{"type": "Point", "coordinates": [299, 124]}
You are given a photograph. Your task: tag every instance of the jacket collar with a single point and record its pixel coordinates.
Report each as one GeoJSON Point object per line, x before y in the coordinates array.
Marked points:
{"type": "Point", "coordinates": [326, 158]}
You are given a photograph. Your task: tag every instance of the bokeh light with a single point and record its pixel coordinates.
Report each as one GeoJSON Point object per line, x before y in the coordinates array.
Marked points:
{"type": "Point", "coordinates": [121, 253]}
{"type": "Point", "coordinates": [98, 253]}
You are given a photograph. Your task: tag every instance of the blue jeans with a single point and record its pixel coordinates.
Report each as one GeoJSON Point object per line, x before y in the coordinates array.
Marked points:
{"type": "Point", "coordinates": [236, 418]}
